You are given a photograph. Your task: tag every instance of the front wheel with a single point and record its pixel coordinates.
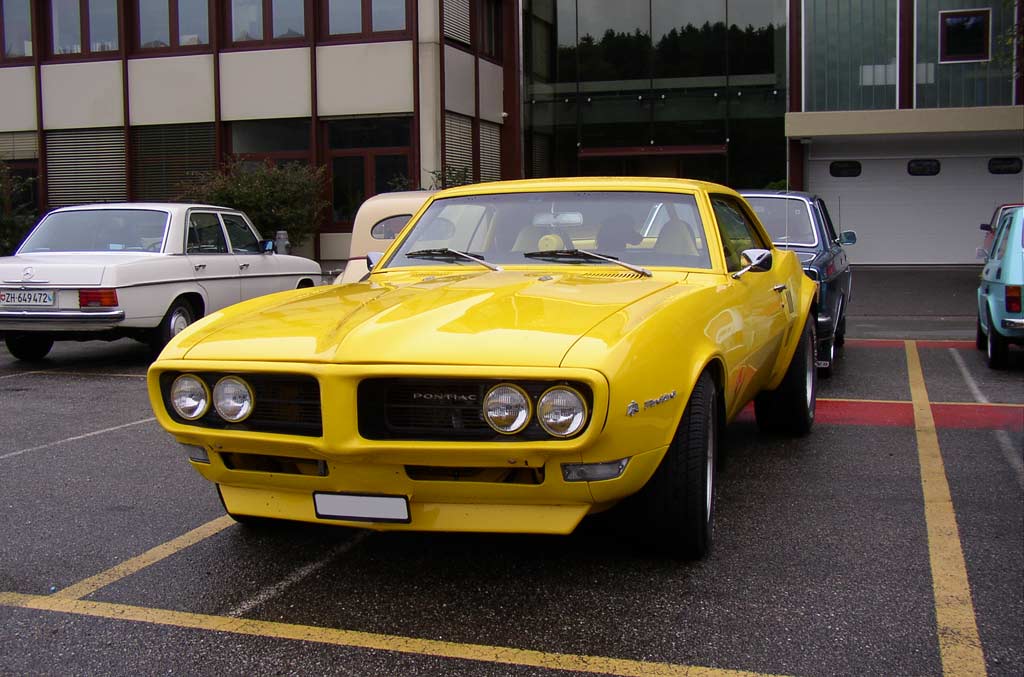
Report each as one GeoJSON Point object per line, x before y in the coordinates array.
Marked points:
{"type": "Point", "coordinates": [678, 503]}
{"type": "Point", "coordinates": [28, 347]}
{"type": "Point", "coordinates": [790, 407]}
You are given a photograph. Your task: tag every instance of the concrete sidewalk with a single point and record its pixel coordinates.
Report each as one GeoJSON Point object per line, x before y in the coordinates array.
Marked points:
{"type": "Point", "coordinates": [918, 302]}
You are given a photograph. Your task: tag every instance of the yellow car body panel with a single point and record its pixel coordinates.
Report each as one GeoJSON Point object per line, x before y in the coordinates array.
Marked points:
{"type": "Point", "coordinates": [636, 343]}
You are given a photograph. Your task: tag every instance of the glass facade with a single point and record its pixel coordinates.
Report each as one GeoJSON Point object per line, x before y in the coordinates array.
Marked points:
{"type": "Point", "coordinates": [850, 54]}
{"type": "Point", "coordinates": [665, 88]}
{"type": "Point", "coordinates": [960, 60]}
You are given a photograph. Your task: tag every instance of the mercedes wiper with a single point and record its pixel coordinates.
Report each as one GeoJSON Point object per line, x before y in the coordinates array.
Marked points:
{"type": "Point", "coordinates": [448, 254]}
{"type": "Point", "coordinates": [583, 255]}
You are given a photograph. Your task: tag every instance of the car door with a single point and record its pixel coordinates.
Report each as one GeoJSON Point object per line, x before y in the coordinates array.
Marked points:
{"type": "Point", "coordinates": [760, 297]}
{"type": "Point", "coordinates": [993, 293]}
{"type": "Point", "coordinates": [259, 273]}
{"type": "Point", "coordinates": [212, 262]}
{"type": "Point", "coordinates": [836, 266]}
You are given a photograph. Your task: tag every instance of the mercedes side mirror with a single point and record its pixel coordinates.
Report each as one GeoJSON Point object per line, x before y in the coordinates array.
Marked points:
{"type": "Point", "coordinates": [847, 237]}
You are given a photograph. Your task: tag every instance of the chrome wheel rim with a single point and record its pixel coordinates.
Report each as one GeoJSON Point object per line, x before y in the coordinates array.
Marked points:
{"type": "Point", "coordinates": [179, 320]}
{"type": "Point", "coordinates": [809, 373]}
{"type": "Point", "coordinates": [709, 463]}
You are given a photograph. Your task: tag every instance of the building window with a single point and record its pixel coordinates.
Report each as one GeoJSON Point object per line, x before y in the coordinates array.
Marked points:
{"type": "Point", "coordinates": [279, 141]}
{"type": "Point", "coordinates": [83, 26]}
{"type": "Point", "coordinates": [923, 167]}
{"type": "Point", "coordinates": [167, 157]}
{"type": "Point", "coordinates": [172, 24]}
{"type": "Point", "coordinates": [490, 29]}
{"type": "Point", "coordinates": [15, 30]}
{"type": "Point", "coordinates": [844, 169]}
{"type": "Point", "coordinates": [1005, 165]}
{"type": "Point", "coordinates": [364, 18]}
{"type": "Point", "coordinates": [267, 20]}
{"type": "Point", "coordinates": [965, 35]}
{"type": "Point", "coordinates": [367, 156]}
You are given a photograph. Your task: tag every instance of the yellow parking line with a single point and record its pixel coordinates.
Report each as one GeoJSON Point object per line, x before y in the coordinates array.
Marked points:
{"type": "Point", "coordinates": [959, 644]}
{"type": "Point", "coordinates": [136, 564]}
{"type": "Point", "coordinates": [366, 640]}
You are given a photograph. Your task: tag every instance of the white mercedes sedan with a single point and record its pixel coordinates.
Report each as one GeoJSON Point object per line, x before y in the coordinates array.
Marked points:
{"type": "Point", "coordinates": [139, 270]}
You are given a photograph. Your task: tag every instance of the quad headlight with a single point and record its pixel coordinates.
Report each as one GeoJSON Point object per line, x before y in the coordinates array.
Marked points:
{"type": "Point", "coordinates": [507, 408]}
{"type": "Point", "coordinates": [190, 397]}
{"type": "Point", "coordinates": [561, 411]}
{"type": "Point", "coordinates": [232, 398]}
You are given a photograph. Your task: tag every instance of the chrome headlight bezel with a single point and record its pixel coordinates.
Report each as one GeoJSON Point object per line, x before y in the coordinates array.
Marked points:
{"type": "Point", "coordinates": [522, 419]}
{"type": "Point", "coordinates": [579, 418]}
{"type": "Point", "coordinates": [204, 404]}
{"type": "Point", "coordinates": [218, 392]}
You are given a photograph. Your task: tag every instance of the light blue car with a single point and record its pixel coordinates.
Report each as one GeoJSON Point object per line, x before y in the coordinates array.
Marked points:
{"type": "Point", "coordinates": [1000, 317]}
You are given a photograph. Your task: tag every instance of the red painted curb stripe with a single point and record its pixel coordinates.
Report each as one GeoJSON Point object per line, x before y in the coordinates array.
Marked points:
{"type": "Point", "coordinates": [901, 415]}
{"type": "Point", "coordinates": [874, 343]}
{"type": "Point", "coordinates": [968, 417]}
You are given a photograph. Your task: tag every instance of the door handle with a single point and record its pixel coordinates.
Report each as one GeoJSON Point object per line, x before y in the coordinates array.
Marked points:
{"type": "Point", "coordinates": [779, 288]}
{"type": "Point", "coordinates": [199, 266]}
{"type": "Point", "coordinates": [243, 266]}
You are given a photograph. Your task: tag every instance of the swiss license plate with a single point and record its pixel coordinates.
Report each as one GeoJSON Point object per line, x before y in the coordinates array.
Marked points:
{"type": "Point", "coordinates": [27, 297]}
{"type": "Point", "coordinates": [361, 507]}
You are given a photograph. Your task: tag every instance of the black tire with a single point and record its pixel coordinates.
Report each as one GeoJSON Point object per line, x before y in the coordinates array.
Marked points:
{"type": "Point", "coordinates": [178, 316]}
{"type": "Point", "coordinates": [997, 348]}
{"type": "Point", "coordinates": [980, 340]}
{"type": "Point", "coordinates": [790, 407]}
{"type": "Point", "coordinates": [678, 502]}
{"type": "Point", "coordinates": [28, 347]}
{"type": "Point", "coordinates": [840, 335]}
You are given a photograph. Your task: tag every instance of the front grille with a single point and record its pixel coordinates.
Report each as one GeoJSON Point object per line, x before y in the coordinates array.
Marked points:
{"type": "Point", "coordinates": [441, 409]}
{"type": "Point", "coordinates": [284, 403]}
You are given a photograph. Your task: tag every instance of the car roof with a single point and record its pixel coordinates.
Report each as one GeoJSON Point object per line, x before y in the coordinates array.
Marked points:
{"type": "Point", "coordinates": [162, 206]}
{"type": "Point", "coordinates": [766, 192]}
{"type": "Point", "coordinates": [595, 183]}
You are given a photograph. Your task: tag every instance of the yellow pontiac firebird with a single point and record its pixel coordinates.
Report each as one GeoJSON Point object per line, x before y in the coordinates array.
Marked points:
{"type": "Point", "coordinates": [524, 354]}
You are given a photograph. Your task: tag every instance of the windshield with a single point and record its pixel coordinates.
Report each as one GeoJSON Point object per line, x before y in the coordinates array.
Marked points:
{"type": "Point", "coordinates": [786, 219]}
{"type": "Point", "coordinates": [639, 228]}
{"type": "Point", "coordinates": [98, 230]}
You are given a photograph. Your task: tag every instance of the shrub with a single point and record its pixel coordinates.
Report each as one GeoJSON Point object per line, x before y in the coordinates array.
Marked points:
{"type": "Point", "coordinates": [276, 197]}
{"type": "Point", "coordinates": [17, 212]}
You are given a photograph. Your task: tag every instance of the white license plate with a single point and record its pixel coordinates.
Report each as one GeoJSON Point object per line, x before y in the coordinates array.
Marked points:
{"type": "Point", "coordinates": [27, 297]}
{"type": "Point", "coordinates": [361, 507]}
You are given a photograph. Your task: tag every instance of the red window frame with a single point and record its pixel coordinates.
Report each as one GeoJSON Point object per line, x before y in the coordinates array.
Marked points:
{"type": "Point", "coordinates": [174, 31]}
{"type": "Point", "coordinates": [368, 155]}
{"type": "Point", "coordinates": [366, 34]}
{"type": "Point", "coordinates": [85, 39]}
{"type": "Point", "coordinates": [268, 39]}
{"type": "Point", "coordinates": [16, 60]}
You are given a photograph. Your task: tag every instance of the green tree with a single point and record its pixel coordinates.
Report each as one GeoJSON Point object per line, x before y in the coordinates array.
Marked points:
{"type": "Point", "coordinates": [276, 197]}
{"type": "Point", "coordinates": [17, 211]}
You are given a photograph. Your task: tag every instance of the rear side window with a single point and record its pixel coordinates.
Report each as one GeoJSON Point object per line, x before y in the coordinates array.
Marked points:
{"type": "Point", "coordinates": [388, 229]}
{"type": "Point", "coordinates": [737, 230]}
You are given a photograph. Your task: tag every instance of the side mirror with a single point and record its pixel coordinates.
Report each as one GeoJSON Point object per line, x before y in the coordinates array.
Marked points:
{"type": "Point", "coordinates": [987, 227]}
{"type": "Point", "coordinates": [267, 246]}
{"type": "Point", "coordinates": [847, 237]}
{"type": "Point", "coordinates": [372, 259]}
{"type": "Point", "coordinates": [760, 261]}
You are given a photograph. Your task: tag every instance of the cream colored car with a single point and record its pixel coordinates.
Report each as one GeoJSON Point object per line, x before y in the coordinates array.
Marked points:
{"type": "Point", "coordinates": [377, 222]}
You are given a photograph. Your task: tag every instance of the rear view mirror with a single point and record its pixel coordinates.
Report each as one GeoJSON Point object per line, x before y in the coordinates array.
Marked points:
{"type": "Point", "coordinates": [267, 246]}
{"type": "Point", "coordinates": [847, 237]}
{"type": "Point", "coordinates": [758, 261]}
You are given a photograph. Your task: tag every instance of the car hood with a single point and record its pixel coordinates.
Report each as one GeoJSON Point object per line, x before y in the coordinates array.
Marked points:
{"type": "Point", "coordinates": [82, 269]}
{"type": "Point", "coordinates": [513, 318]}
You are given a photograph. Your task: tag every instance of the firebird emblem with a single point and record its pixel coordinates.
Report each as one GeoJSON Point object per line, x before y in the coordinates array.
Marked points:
{"type": "Point", "coordinates": [633, 408]}
{"type": "Point", "coordinates": [28, 273]}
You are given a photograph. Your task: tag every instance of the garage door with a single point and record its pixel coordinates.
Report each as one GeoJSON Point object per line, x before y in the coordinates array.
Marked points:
{"type": "Point", "coordinates": [900, 218]}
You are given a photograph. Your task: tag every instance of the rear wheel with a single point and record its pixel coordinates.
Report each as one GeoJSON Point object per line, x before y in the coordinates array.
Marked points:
{"type": "Point", "coordinates": [790, 407]}
{"type": "Point", "coordinates": [678, 503]}
{"type": "Point", "coordinates": [179, 316]}
{"type": "Point", "coordinates": [997, 348]}
{"type": "Point", "coordinates": [28, 347]}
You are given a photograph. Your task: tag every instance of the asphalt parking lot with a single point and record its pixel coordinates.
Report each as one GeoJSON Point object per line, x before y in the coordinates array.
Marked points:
{"type": "Point", "coordinates": [890, 541]}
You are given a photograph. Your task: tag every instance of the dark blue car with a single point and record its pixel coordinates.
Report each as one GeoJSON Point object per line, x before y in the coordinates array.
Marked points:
{"type": "Point", "coordinates": [801, 222]}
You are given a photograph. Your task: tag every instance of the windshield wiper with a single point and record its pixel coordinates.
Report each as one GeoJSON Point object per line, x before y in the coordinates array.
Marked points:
{"type": "Point", "coordinates": [583, 255]}
{"type": "Point", "coordinates": [450, 255]}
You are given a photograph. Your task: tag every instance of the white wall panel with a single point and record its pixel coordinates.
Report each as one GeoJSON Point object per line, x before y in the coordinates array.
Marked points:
{"type": "Point", "coordinates": [429, 21]}
{"type": "Point", "coordinates": [459, 79]}
{"type": "Point", "coordinates": [430, 111]}
{"type": "Point", "coordinates": [174, 90]}
{"type": "Point", "coordinates": [492, 92]}
{"type": "Point", "coordinates": [364, 79]}
{"type": "Point", "coordinates": [903, 219]}
{"type": "Point", "coordinates": [273, 83]}
{"type": "Point", "coordinates": [77, 95]}
{"type": "Point", "coordinates": [18, 112]}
